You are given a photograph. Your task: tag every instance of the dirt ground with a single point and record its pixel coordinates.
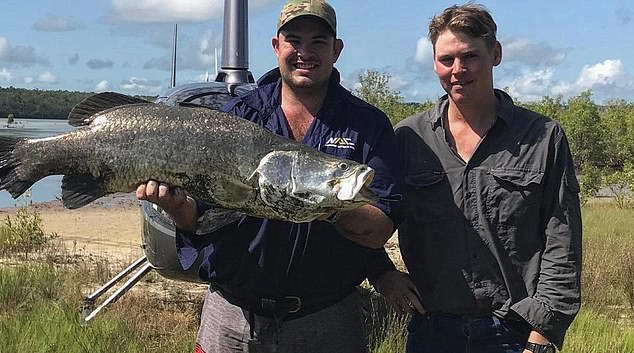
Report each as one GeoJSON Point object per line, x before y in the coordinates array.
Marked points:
{"type": "Point", "coordinates": [110, 227]}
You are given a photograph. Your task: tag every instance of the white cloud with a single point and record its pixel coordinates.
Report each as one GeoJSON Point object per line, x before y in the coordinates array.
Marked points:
{"type": "Point", "coordinates": [102, 86]}
{"type": "Point", "coordinates": [607, 80]}
{"type": "Point", "coordinates": [424, 51]}
{"type": "Point", "coordinates": [18, 54]}
{"type": "Point", "coordinates": [531, 85]}
{"type": "Point", "coordinates": [4, 46]}
{"type": "Point", "coordinates": [142, 86]}
{"type": "Point", "coordinates": [167, 11]}
{"type": "Point", "coordinates": [206, 49]}
{"type": "Point", "coordinates": [605, 73]}
{"type": "Point", "coordinates": [399, 83]}
{"type": "Point", "coordinates": [5, 75]}
{"type": "Point", "coordinates": [47, 77]}
{"type": "Point", "coordinates": [524, 51]}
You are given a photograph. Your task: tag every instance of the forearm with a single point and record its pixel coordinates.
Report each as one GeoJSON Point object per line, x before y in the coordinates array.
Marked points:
{"type": "Point", "coordinates": [366, 225]}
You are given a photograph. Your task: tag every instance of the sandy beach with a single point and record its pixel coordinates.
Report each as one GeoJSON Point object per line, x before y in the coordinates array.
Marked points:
{"type": "Point", "coordinates": [110, 226]}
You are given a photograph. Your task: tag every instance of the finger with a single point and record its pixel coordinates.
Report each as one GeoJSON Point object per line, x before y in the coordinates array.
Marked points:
{"type": "Point", "coordinates": [151, 189]}
{"type": "Point", "coordinates": [140, 192]}
{"type": "Point", "coordinates": [163, 191]}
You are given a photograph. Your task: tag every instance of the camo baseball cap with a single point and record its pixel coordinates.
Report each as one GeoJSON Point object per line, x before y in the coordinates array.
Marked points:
{"type": "Point", "coordinates": [317, 8]}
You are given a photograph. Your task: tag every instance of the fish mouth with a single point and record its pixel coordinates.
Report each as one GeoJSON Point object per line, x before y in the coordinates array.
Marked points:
{"type": "Point", "coordinates": [355, 188]}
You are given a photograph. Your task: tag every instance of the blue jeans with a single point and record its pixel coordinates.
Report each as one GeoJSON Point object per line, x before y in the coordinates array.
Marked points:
{"type": "Point", "coordinates": [439, 333]}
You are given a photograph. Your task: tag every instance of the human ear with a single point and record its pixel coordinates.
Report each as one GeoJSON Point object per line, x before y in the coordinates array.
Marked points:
{"type": "Point", "coordinates": [338, 48]}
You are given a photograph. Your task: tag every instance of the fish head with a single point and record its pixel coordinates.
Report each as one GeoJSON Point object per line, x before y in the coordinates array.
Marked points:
{"type": "Point", "coordinates": [309, 179]}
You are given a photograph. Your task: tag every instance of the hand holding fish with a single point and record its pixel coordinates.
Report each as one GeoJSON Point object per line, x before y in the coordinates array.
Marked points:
{"type": "Point", "coordinates": [173, 200]}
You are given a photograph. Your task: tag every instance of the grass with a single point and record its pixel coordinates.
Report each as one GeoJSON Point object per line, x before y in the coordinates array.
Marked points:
{"type": "Point", "coordinates": [593, 332]}
{"type": "Point", "coordinates": [42, 286]}
{"type": "Point", "coordinates": [40, 313]}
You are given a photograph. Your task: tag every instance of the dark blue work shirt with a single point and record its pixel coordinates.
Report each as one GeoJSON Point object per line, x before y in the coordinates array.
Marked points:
{"type": "Point", "coordinates": [270, 258]}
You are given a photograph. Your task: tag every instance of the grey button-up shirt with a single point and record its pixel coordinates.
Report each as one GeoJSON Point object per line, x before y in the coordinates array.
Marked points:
{"type": "Point", "coordinates": [501, 233]}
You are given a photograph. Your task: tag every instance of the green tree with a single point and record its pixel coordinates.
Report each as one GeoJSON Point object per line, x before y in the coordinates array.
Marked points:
{"type": "Point", "coordinates": [550, 107]}
{"type": "Point", "coordinates": [582, 124]}
{"type": "Point", "coordinates": [374, 88]}
{"type": "Point", "coordinates": [10, 118]}
{"type": "Point", "coordinates": [590, 183]}
{"type": "Point", "coordinates": [617, 119]}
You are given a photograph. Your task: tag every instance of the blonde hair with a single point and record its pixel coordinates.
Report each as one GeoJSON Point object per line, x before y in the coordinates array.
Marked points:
{"type": "Point", "coordinates": [471, 19]}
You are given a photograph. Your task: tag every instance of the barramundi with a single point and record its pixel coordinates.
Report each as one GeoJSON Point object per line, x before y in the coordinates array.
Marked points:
{"type": "Point", "coordinates": [230, 162]}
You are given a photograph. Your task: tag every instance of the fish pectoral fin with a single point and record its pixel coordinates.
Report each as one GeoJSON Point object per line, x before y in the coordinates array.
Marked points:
{"type": "Point", "coordinates": [80, 190]}
{"type": "Point", "coordinates": [84, 112]}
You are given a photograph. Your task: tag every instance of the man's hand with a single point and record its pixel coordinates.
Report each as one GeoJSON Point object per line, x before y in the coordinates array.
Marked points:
{"type": "Point", "coordinates": [174, 201]}
{"type": "Point", "coordinates": [399, 291]}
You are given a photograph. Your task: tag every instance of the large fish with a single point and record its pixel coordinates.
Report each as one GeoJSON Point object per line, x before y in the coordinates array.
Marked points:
{"type": "Point", "coordinates": [231, 162]}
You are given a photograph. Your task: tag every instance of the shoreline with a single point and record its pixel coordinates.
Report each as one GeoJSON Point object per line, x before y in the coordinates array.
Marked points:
{"type": "Point", "coordinates": [110, 226]}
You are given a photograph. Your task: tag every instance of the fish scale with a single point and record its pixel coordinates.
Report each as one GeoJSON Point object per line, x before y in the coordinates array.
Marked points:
{"type": "Point", "coordinates": [122, 141]}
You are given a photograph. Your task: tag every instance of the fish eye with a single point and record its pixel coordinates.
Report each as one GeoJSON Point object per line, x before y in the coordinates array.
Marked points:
{"type": "Point", "coordinates": [344, 166]}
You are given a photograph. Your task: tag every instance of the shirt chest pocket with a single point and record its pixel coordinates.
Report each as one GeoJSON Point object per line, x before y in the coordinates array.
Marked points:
{"type": "Point", "coordinates": [428, 195]}
{"type": "Point", "coordinates": [515, 194]}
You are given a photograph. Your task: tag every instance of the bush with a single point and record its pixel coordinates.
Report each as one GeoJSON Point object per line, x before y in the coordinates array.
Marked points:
{"type": "Point", "coordinates": [621, 183]}
{"type": "Point", "coordinates": [590, 183]}
{"type": "Point", "coordinates": [23, 233]}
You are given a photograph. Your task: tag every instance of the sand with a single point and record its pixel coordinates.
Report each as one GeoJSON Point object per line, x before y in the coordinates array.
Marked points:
{"type": "Point", "coordinates": [110, 227]}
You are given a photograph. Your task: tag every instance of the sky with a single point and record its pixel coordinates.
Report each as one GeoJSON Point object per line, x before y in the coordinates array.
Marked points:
{"type": "Point", "coordinates": [550, 48]}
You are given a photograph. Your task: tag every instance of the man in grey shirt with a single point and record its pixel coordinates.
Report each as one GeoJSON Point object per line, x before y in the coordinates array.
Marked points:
{"type": "Point", "coordinates": [492, 236]}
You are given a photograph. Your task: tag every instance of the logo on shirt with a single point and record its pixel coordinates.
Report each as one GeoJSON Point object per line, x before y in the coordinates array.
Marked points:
{"type": "Point", "coordinates": [340, 142]}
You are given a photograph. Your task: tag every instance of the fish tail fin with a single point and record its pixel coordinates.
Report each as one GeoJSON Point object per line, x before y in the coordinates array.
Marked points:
{"type": "Point", "coordinates": [80, 190]}
{"type": "Point", "coordinates": [9, 179]}
{"type": "Point", "coordinates": [84, 112]}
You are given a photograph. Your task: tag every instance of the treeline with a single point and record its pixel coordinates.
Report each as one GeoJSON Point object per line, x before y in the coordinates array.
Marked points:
{"type": "Point", "coordinates": [39, 104]}
{"type": "Point", "coordinates": [601, 136]}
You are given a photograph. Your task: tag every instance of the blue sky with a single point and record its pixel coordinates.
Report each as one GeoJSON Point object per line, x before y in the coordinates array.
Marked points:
{"type": "Point", "coordinates": [549, 47]}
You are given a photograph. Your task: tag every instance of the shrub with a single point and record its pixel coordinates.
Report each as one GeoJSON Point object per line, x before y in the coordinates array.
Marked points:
{"type": "Point", "coordinates": [23, 233]}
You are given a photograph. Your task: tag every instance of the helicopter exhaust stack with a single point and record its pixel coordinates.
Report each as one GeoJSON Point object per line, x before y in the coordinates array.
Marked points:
{"type": "Point", "coordinates": [234, 67]}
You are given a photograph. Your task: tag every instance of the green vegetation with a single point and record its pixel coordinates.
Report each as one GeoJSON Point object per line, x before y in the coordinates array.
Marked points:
{"type": "Point", "coordinates": [22, 234]}
{"type": "Point", "coordinates": [40, 104]}
{"type": "Point", "coordinates": [374, 89]}
{"type": "Point", "coordinates": [40, 299]}
{"type": "Point", "coordinates": [39, 313]}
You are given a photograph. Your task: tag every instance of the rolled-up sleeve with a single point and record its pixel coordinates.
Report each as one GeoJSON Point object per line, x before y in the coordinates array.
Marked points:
{"type": "Point", "coordinates": [557, 298]}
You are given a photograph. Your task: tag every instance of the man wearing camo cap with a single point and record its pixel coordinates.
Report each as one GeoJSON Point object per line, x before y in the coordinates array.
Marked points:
{"type": "Point", "coordinates": [317, 8]}
{"type": "Point", "coordinates": [286, 287]}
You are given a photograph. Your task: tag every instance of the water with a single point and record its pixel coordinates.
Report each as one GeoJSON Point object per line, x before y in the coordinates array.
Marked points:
{"type": "Point", "coordinates": [49, 188]}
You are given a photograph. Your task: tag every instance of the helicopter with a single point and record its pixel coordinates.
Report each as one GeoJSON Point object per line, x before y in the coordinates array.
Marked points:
{"type": "Point", "coordinates": [158, 237]}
